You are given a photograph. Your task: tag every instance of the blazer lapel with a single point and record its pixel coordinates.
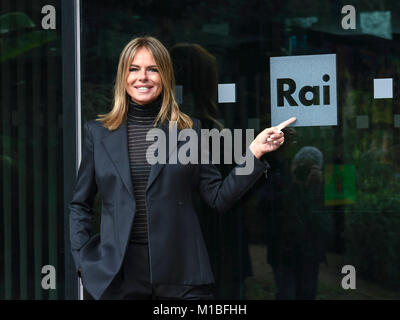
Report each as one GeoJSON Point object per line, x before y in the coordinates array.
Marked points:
{"type": "Point", "coordinates": [116, 144]}
{"type": "Point", "coordinates": [156, 168]}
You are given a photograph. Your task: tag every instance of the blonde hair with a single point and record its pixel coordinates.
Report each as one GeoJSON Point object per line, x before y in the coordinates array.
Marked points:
{"type": "Point", "coordinates": [169, 107]}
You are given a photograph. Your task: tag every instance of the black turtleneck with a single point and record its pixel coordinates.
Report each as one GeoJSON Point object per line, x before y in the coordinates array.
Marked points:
{"type": "Point", "coordinates": [140, 119]}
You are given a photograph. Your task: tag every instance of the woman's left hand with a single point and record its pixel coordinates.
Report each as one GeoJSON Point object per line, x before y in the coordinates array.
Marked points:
{"type": "Point", "coordinates": [269, 139]}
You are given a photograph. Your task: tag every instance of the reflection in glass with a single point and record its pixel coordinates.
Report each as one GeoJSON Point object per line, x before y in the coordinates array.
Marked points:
{"type": "Point", "coordinates": [31, 170]}
{"type": "Point", "coordinates": [360, 172]}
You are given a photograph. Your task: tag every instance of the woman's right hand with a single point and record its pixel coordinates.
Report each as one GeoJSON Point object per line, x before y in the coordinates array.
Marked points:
{"type": "Point", "coordinates": [269, 139]}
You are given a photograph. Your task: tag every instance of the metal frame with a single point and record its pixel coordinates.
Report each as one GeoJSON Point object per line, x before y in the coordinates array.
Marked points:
{"type": "Point", "coordinates": [71, 75]}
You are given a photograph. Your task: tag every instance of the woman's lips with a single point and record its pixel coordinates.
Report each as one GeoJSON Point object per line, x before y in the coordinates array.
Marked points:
{"type": "Point", "coordinates": [143, 89]}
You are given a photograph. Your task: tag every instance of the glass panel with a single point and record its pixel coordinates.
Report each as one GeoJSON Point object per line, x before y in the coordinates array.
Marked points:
{"type": "Point", "coordinates": [330, 199]}
{"type": "Point", "coordinates": [31, 191]}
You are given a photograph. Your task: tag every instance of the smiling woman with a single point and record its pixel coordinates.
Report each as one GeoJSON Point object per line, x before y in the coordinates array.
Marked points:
{"type": "Point", "coordinates": [144, 73]}
{"type": "Point", "coordinates": [144, 83]}
{"type": "Point", "coordinates": [151, 243]}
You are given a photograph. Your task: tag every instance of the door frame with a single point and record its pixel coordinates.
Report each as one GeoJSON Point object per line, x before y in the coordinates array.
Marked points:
{"type": "Point", "coordinates": [71, 86]}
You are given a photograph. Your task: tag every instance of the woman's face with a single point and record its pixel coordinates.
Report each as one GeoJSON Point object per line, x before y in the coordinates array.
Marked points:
{"type": "Point", "coordinates": [144, 82]}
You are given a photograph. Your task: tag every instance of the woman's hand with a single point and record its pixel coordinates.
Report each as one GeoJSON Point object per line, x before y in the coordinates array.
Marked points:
{"type": "Point", "coordinates": [269, 139]}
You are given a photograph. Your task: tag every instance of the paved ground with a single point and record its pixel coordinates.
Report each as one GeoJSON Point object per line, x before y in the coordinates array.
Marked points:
{"type": "Point", "coordinates": [261, 285]}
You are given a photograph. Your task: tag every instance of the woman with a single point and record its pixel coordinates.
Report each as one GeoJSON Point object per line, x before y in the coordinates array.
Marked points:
{"type": "Point", "coordinates": [150, 243]}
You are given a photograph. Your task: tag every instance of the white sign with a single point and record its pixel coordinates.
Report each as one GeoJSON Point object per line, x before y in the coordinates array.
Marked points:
{"type": "Point", "coordinates": [304, 87]}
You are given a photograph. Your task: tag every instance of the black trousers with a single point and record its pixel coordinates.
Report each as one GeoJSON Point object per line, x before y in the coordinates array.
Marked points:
{"type": "Point", "coordinates": [133, 281]}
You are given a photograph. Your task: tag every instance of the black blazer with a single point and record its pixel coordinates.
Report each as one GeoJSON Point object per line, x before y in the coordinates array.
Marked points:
{"type": "Point", "coordinates": [176, 247]}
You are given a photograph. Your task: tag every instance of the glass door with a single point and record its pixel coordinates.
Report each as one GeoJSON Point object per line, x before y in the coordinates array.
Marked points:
{"type": "Point", "coordinates": [330, 200]}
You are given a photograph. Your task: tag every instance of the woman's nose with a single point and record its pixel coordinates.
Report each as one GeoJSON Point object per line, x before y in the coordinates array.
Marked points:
{"type": "Point", "coordinates": [142, 75]}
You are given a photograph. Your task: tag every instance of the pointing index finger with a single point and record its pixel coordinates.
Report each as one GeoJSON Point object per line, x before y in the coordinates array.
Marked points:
{"type": "Point", "coordinates": [284, 124]}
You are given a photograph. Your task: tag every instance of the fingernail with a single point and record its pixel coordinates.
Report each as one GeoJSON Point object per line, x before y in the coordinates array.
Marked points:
{"type": "Point", "coordinates": [272, 136]}
{"type": "Point", "coordinates": [269, 139]}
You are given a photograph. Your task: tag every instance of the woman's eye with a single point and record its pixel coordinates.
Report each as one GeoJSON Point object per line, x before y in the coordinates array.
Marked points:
{"type": "Point", "coordinates": [136, 69]}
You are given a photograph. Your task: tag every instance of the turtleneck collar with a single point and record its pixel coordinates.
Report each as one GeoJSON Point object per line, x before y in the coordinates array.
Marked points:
{"type": "Point", "coordinates": [146, 112]}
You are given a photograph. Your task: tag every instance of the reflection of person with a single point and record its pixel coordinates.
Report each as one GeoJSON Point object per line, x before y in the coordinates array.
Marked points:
{"type": "Point", "coordinates": [224, 234]}
{"type": "Point", "coordinates": [196, 69]}
{"type": "Point", "coordinates": [150, 243]}
{"type": "Point", "coordinates": [297, 226]}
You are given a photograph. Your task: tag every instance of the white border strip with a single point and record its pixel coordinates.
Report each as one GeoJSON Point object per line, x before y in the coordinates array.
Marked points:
{"type": "Point", "coordinates": [78, 82]}
{"type": "Point", "coordinates": [78, 102]}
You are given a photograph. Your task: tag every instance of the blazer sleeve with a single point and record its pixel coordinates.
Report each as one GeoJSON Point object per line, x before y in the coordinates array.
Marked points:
{"type": "Point", "coordinates": [81, 205]}
{"type": "Point", "coordinates": [221, 194]}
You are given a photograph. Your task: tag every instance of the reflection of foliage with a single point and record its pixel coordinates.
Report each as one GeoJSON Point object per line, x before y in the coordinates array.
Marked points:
{"type": "Point", "coordinates": [11, 47]}
{"type": "Point", "coordinates": [15, 47]}
{"type": "Point", "coordinates": [373, 224]}
{"type": "Point", "coordinates": [14, 21]}
{"type": "Point", "coordinates": [7, 159]}
{"type": "Point", "coordinates": [96, 99]}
